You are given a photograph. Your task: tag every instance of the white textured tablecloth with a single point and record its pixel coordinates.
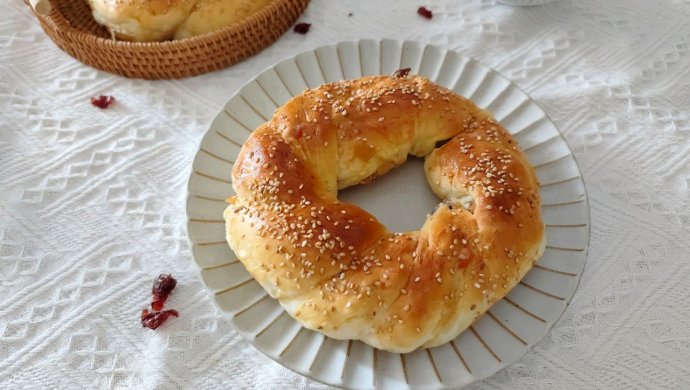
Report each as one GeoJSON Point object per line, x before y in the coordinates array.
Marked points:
{"type": "Point", "coordinates": [92, 201]}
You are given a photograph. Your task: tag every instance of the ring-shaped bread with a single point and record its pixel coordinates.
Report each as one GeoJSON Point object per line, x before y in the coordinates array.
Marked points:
{"type": "Point", "coordinates": [338, 270]}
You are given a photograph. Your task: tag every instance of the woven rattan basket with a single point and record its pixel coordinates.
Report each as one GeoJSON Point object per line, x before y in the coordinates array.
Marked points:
{"type": "Point", "coordinates": [69, 23]}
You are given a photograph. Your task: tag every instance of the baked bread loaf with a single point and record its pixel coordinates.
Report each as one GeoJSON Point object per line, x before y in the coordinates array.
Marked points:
{"type": "Point", "coordinates": [338, 270]}
{"type": "Point", "coordinates": [159, 20]}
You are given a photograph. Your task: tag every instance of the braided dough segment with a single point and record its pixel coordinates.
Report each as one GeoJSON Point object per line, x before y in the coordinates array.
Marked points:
{"type": "Point", "coordinates": [332, 265]}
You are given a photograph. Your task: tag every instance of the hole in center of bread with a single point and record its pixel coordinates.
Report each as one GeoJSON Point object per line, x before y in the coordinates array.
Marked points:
{"type": "Point", "coordinates": [400, 199]}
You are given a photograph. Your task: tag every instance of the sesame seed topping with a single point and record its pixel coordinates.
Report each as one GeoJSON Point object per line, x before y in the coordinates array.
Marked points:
{"type": "Point", "coordinates": [306, 228]}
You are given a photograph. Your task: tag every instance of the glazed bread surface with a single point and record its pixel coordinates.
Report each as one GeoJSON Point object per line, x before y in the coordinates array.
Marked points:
{"type": "Point", "coordinates": [332, 265]}
{"type": "Point", "coordinates": [159, 20]}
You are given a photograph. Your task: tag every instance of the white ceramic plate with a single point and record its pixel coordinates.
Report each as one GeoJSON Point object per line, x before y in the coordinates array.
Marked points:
{"type": "Point", "coordinates": [497, 339]}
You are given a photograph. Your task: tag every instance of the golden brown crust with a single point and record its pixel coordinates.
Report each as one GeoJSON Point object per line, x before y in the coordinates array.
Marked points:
{"type": "Point", "coordinates": [332, 265]}
{"type": "Point", "coordinates": [158, 20]}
